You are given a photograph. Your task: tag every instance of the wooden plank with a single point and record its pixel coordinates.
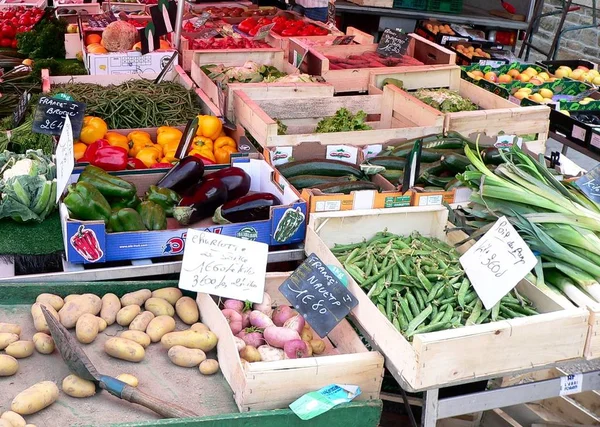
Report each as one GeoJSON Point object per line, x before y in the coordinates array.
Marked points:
{"type": "Point", "coordinates": [236, 57]}
{"type": "Point", "coordinates": [360, 37]}
{"type": "Point", "coordinates": [429, 52]}
{"type": "Point", "coordinates": [374, 3]}
{"type": "Point", "coordinates": [253, 118]}
{"type": "Point", "coordinates": [300, 108]}
{"type": "Point", "coordinates": [415, 110]}
{"type": "Point", "coordinates": [483, 98]}
{"type": "Point", "coordinates": [418, 77]}
{"type": "Point", "coordinates": [498, 418]}
{"type": "Point", "coordinates": [570, 411]}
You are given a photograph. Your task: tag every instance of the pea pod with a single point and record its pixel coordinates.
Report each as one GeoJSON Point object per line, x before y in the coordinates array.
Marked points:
{"type": "Point", "coordinates": [414, 324]}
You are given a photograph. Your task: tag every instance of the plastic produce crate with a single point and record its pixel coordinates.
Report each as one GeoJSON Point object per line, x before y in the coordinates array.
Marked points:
{"type": "Point", "coordinates": [445, 6]}
{"type": "Point", "coordinates": [410, 4]}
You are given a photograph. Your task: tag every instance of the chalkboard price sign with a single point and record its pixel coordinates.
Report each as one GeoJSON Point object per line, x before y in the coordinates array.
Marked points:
{"type": "Point", "coordinates": [50, 115]}
{"type": "Point", "coordinates": [21, 109]}
{"type": "Point", "coordinates": [316, 293]}
{"type": "Point", "coordinates": [393, 43]}
{"type": "Point", "coordinates": [589, 184]}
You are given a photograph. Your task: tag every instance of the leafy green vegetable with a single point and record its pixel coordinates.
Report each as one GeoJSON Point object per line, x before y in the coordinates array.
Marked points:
{"type": "Point", "coordinates": [445, 100]}
{"type": "Point", "coordinates": [62, 67]}
{"type": "Point", "coordinates": [44, 40]}
{"type": "Point", "coordinates": [251, 72]}
{"type": "Point", "coordinates": [343, 121]}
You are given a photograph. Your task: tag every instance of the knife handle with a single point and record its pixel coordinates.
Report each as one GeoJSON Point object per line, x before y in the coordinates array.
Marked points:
{"type": "Point", "coordinates": [166, 409]}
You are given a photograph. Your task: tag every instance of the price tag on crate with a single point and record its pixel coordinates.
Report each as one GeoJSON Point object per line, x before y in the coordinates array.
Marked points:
{"type": "Point", "coordinates": [571, 384]}
{"type": "Point", "coordinates": [50, 116]}
{"type": "Point", "coordinates": [393, 43]}
{"type": "Point", "coordinates": [223, 265]}
{"type": "Point", "coordinates": [264, 31]}
{"type": "Point", "coordinates": [21, 108]}
{"type": "Point", "coordinates": [497, 262]}
{"type": "Point", "coordinates": [317, 294]}
{"type": "Point", "coordinates": [65, 162]}
{"type": "Point", "coordinates": [589, 184]}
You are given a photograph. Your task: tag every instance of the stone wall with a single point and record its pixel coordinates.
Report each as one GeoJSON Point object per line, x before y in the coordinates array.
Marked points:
{"type": "Point", "coordinates": [579, 44]}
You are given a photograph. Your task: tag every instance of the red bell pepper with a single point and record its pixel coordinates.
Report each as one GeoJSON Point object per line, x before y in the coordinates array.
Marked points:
{"type": "Point", "coordinates": [161, 166]}
{"type": "Point", "coordinates": [133, 163]}
{"type": "Point", "coordinates": [105, 156]}
{"type": "Point", "coordinates": [205, 160]}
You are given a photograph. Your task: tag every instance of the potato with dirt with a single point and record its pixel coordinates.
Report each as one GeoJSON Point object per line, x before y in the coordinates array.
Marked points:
{"type": "Point", "coordinates": [39, 320]}
{"type": "Point", "coordinates": [14, 419]}
{"type": "Point", "coordinates": [86, 329]}
{"type": "Point", "coordinates": [124, 349]}
{"type": "Point", "coordinates": [169, 294]}
{"type": "Point", "coordinates": [128, 379]}
{"type": "Point", "coordinates": [200, 327]}
{"type": "Point", "coordinates": [159, 307]}
{"type": "Point", "coordinates": [204, 341]}
{"type": "Point", "coordinates": [44, 344]}
{"type": "Point", "coordinates": [102, 325]}
{"type": "Point", "coordinates": [35, 398]}
{"type": "Point", "coordinates": [10, 328]}
{"type": "Point", "coordinates": [186, 357]}
{"type": "Point", "coordinates": [20, 349]}
{"type": "Point", "coordinates": [111, 304]}
{"type": "Point", "coordinates": [76, 307]}
{"type": "Point", "coordinates": [8, 365]}
{"type": "Point", "coordinates": [139, 337]}
{"type": "Point", "coordinates": [136, 298]}
{"type": "Point", "coordinates": [126, 315]}
{"type": "Point", "coordinates": [209, 367]}
{"type": "Point", "coordinates": [75, 386]}
{"type": "Point", "coordinates": [6, 338]}
{"type": "Point", "coordinates": [141, 321]}
{"type": "Point", "coordinates": [187, 310]}
{"type": "Point", "coordinates": [50, 299]}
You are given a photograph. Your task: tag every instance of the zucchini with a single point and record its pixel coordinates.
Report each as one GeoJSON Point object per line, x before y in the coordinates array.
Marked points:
{"type": "Point", "coordinates": [432, 189]}
{"type": "Point", "coordinates": [388, 162]}
{"type": "Point", "coordinates": [308, 181]}
{"type": "Point", "coordinates": [491, 156]}
{"type": "Point", "coordinates": [433, 180]}
{"type": "Point", "coordinates": [427, 155]}
{"type": "Point", "coordinates": [319, 167]}
{"type": "Point", "coordinates": [435, 144]}
{"type": "Point", "coordinates": [455, 183]}
{"type": "Point", "coordinates": [393, 175]}
{"type": "Point", "coordinates": [346, 187]}
{"type": "Point", "coordinates": [434, 168]}
{"type": "Point", "coordinates": [456, 162]}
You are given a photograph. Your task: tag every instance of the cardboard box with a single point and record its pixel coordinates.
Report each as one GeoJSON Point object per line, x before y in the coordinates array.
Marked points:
{"type": "Point", "coordinates": [171, 242]}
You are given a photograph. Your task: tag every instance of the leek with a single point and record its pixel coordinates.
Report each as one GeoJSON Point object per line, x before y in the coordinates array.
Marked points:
{"type": "Point", "coordinates": [576, 295]}
{"type": "Point", "coordinates": [586, 282]}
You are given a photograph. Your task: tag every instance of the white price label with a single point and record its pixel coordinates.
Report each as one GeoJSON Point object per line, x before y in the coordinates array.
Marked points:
{"type": "Point", "coordinates": [595, 141]}
{"type": "Point", "coordinates": [225, 266]}
{"type": "Point", "coordinates": [281, 155]}
{"type": "Point", "coordinates": [571, 384]}
{"type": "Point", "coordinates": [65, 162]}
{"type": "Point", "coordinates": [343, 153]}
{"type": "Point", "coordinates": [578, 133]}
{"type": "Point", "coordinates": [372, 150]}
{"type": "Point", "coordinates": [497, 262]}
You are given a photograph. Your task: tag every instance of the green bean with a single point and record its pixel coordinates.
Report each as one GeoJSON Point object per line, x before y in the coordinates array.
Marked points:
{"type": "Point", "coordinates": [378, 275]}
{"type": "Point", "coordinates": [434, 290]}
{"type": "Point", "coordinates": [483, 317]}
{"type": "Point", "coordinates": [509, 313]}
{"type": "Point", "coordinates": [352, 255]}
{"type": "Point", "coordinates": [495, 311]}
{"type": "Point", "coordinates": [520, 309]}
{"type": "Point", "coordinates": [448, 314]}
{"type": "Point", "coordinates": [396, 324]}
{"type": "Point", "coordinates": [437, 317]}
{"type": "Point", "coordinates": [401, 318]}
{"type": "Point", "coordinates": [414, 324]}
{"type": "Point", "coordinates": [424, 281]}
{"type": "Point", "coordinates": [471, 296]}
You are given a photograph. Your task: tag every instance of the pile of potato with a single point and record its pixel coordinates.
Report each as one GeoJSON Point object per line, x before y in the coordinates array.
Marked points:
{"type": "Point", "coordinates": [149, 316]}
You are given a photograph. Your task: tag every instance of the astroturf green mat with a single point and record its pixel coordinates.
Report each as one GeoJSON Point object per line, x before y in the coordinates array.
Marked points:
{"type": "Point", "coordinates": [31, 238]}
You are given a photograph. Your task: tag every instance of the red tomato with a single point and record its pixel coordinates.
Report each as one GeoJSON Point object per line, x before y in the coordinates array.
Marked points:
{"type": "Point", "coordinates": [5, 42]}
{"type": "Point", "coordinates": [289, 32]}
{"type": "Point", "coordinates": [14, 44]}
{"type": "Point", "coordinates": [9, 14]}
{"type": "Point", "coordinates": [321, 32]}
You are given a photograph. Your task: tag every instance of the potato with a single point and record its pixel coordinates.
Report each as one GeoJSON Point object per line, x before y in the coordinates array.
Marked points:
{"type": "Point", "coordinates": [30, 425]}
{"type": "Point", "coordinates": [6, 339]}
{"type": "Point", "coordinates": [139, 337]}
{"type": "Point", "coordinates": [39, 321]}
{"type": "Point", "coordinates": [11, 328]}
{"type": "Point", "coordinates": [95, 303]}
{"type": "Point", "coordinates": [75, 386]}
{"type": "Point", "coordinates": [199, 327]}
{"type": "Point", "coordinates": [44, 344]}
{"type": "Point", "coordinates": [124, 349]}
{"type": "Point", "coordinates": [159, 326]}
{"type": "Point", "coordinates": [14, 419]}
{"type": "Point", "coordinates": [76, 307]}
{"type": "Point", "coordinates": [209, 367]}
{"type": "Point", "coordinates": [5, 423]}
{"type": "Point", "coordinates": [111, 304]}
{"type": "Point", "coordinates": [35, 398]}
{"type": "Point", "coordinates": [8, 365]}
{"type": "Point", "coordinates": [186, 357]}
{"type": "Point", "coordinates": [141, 321]}
{"type": "Point", "coordinates": [159, 307]}
{"type": "Point", "coordinates": [20, 349]}
{"type": "Point", "coordinates": [169, 294]}
{"type": "Point", "coordinates": [50, 299]}
{"type": "Point", "coordinates": [86, 329]}
{"type": "Point", "coordinates": [102, 325]}
{"type": "Point", "coordinates": [126, 315]}
{"type": "Point", "coordinates": [71, 297]}
{"type": "Point", "coordinates": [128, 379]}
{"type": "Point", "coordinates": [187, 310]}
{"type": "Point", "coordinates": [205, 341]}
{"type": "Point", "coordinates": [136, 298]}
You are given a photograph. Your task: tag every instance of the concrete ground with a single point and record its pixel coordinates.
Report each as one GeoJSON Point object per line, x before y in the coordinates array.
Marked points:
{"type": "Point", "coordinates": [580, 159]}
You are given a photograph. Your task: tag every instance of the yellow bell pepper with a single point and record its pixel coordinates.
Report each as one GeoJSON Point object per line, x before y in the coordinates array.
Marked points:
{"type": "Point", "coordinates": [137, 140]}
{"type": "Point", "coordinates": [169, 157]}
{"type": "Point", "coordinates": [203, 146]}
{"type": "Point", "coordinates": [208, 154]}
{"type": "Point", "coordinates": [209, 126]}
{"type": "Point", "coordinates": [168, 135]}
{"type": "Point", "coordinates": [148, 156]}
{"type": "Point", "coordinates": [170, 146]}
{"type": "Point", "coordinates": [94, 128]}
{"type": "Point", "coordinates": [117, 140]}
{"type": "Point", "coordinates": [79, 150]}
{"type": "Point", "coordinates": [223, 147]}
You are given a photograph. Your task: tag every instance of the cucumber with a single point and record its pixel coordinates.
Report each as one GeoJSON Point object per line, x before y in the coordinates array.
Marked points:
{"type": "Point", "coordinates": [319, 167]}
{"type": "Point", "coordinates": [346, 187]}
{"type": "Point", "coordinates": [428, 155]}
{"type": "Point", "coordinates": [456, 162]}
{"type": "Point", "coordinates": [308, 181]}
{"type": "Point", "coordinates": [388, 162]}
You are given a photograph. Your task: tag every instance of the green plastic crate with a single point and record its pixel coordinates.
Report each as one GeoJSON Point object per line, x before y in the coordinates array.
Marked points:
{"type": "Point", "coordinates": [410, 4]}
{"type": "Point", "coordinates": [445, 6]}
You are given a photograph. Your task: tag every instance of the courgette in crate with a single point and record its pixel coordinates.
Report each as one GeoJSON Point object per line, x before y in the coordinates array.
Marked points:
{"type": "Point", "coordinates": [433, 180]}
{"type": "Point", "coordinates": [346, 187]}
{"type": "Point", "coordinates": [456, 162]}
{"type": "Point", "coordinates": [309, 181]}
{"type": "Point", "coordinates": [388, 162]}
{"type": "Point", "coordinates": [393, 175]}
{"type": "Point", "coordinates": [491, 156]}
{"type": "Point", "coordinates": [427, 155]}
{"type": "Point", "coordinates": [319, 167]}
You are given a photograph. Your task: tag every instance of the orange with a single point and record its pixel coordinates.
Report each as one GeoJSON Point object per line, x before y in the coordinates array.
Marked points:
{"type": "Point", "coordinates": [93, 38]}
{"type": "Point", "coordinates": [97, 48]}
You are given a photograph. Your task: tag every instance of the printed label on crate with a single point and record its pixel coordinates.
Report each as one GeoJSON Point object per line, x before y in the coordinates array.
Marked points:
{"type": "Point", "coordinates": [65, 162]}
{"type": "Point", "coordinates": [343, 40]}
{"type": "Point", "coordinates": [328, 206]}
{"type": "Point", "coordinates": [225, 266]}
{"type": "Point", "coordinates": [343, 153]}
{"type": "Point", "coordinates": [264, 31]}
{"type": "Point", "coordinates": [595, 140]}
{"type": "Point", "coordinates": [318, 295]}
{"type": "Point", "coordinates": [393, 43]}
{"type": "Point", "coordinates": [21, 108]}
{"type": "Point", "coordinates": [578, 133]}
{"type": "Point", "coordinates": [396, 201]}
{"type": "Point", "coordinates": [497, 262]}
{"type": "Point", "coordinates": [507, 141]}
{"type": "Point", "coordinates": [281, 155]}
{"type": "Point", "coordinates": [571, 384]}
{"type": "Point", "coordinates": [50, 115]}
{"type": "Point", "coordinates": [434, 200]}
{"type": "Point", "coordinates": [589, 184]}
{"type": "Point", "coordinates": [298, 57]}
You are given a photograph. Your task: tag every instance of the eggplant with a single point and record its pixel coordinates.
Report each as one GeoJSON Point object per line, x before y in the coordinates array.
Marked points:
{"type": "Point", "coordinates": [236, 180]}
{"type": "Point", "coordinates": [253, 207]}
{"type": "Point", "coordinates": [207, 197]}
{"type": "Point", "coordinates": [184, 175]}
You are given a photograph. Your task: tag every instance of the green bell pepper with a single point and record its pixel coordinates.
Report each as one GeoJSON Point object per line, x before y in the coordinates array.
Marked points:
{"type": "Point", "coordinates": [153, 215]}
{"type": "Point", "coordinates": [110, 186]}
{"type": "Point", "coordinates": [164, 197]}
{"type": "Point", "coordinates": [85, 202]}
{"type": "Point", "coordinates": [125, 219]}
{"type": "Point", "coordinates": [130, 202]}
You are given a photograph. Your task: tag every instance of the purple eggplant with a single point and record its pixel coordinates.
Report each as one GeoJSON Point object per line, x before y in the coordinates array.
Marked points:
{"type": "Point", "coordinates": [253, 207]}
{"type": "Point", "coordinates": [207, 197]}
{"type": "Point", "coordinates": [236, 180]}
{"type": "Point", "coordinates": [184, 175]}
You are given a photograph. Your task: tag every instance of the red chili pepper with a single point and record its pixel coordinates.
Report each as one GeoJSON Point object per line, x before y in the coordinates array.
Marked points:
{"type": "Point", "coordinates": [86, 244]}
{"type": "Point", "coordinates": [205, 160]}
{"type": "Point", "coordinates": [105, 156]}
{"type": "Point", "coordinates": [161, 165]}
{"type": "Point", "coordinates": [133, 163]}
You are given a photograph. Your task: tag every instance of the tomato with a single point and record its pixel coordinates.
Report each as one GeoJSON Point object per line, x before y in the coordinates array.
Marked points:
{"type": "Point", "coordinates": [14, 44]}
{"type": "Point", "coordinates": [9, 14]}
{"type": "Point", "coordinates": [5, 42]}
{"type": "Point", "coordinates": [289, 32]}
{"type": "Point", "coordinates": [278, 28]}
{"type": "Point", "coordinates": [279, 19]}
{"type": "Point", "coordinates": [321, 31]}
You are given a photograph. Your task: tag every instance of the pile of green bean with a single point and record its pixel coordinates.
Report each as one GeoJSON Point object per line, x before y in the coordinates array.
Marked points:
{"type": "Point", "coordinates": [419, 284]}
{"type": "Point", "coordinates": [135, 104]}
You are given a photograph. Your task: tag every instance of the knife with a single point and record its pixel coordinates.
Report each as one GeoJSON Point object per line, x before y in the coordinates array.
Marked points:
{"type": "Point", "coordinates": [80, 364]}
{"type": "Point", "coordinates": [413, 166]}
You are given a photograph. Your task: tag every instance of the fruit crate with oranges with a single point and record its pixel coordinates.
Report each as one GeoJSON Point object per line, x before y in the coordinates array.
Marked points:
{"type": "Point", "coordinates": [438, 32]}
{"type": "Point", "coordinates": [468, 53]}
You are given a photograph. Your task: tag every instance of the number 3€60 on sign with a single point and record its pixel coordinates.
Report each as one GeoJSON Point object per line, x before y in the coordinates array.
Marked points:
{"type": "Point", "coordinates": [497, 262]}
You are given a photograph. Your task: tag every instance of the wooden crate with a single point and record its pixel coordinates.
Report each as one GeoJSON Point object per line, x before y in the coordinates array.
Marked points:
{"type": "Point", "coordinates": [496, 116]}
{"type": "Point", "coordinates": [449, 357]}
{"type": "Point", "coordinates": [360, 37]}
{"type": "Point", "coordinates": [301, 116]}
{"type": "Point", "coordinates": [274, 385]}
{"type": "Point", "coordinates": [259, 91]}
{"type": "Point", "coordinates": [357, 80]}
{"type": "Point", "coordinates": [374, 3]}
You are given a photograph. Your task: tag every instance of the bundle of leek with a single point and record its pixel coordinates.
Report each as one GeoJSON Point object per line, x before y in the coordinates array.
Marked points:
{"type": "Point", "coordinates": [557, 221]}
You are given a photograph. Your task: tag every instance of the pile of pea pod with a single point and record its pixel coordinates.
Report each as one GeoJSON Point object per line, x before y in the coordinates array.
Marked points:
{"type": "Point", "coordinates": [419, 284]}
